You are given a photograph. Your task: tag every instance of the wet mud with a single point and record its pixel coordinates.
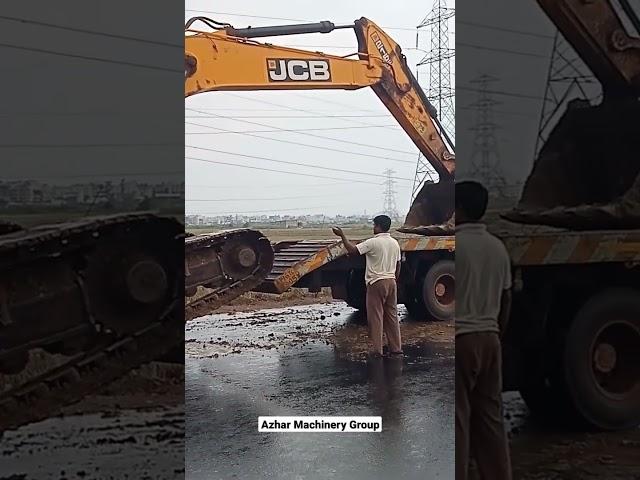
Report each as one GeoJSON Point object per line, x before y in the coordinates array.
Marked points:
{"type": "Point", "coordinates": [128, 444]}
{"type": "Point", "coordinates": [541, 450]}
{"type": "Point", "coordinates": [312, 360]}
{"type": "Point", "coordinates": [133, 428]}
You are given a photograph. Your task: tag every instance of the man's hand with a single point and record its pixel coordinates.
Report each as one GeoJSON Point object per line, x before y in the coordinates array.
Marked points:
{"type": "Point", "coordinates": [351, 248]}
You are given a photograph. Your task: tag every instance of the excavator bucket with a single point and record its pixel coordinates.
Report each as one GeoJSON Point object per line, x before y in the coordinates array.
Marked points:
{"type": "Point", "coordinates": [586, 175]}
{"type": "Point", "coordinates": [432, 210]}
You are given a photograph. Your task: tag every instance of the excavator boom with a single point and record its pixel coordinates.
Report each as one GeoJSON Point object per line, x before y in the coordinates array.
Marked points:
{"type": "Point", "coordinates": [228, 59]}
{"type": "Point", "coordinates": [605, 34]}
{"type": "Point", "coordinates": [219, 267]}
{"type": "Point", "coordinates": [587, 174]}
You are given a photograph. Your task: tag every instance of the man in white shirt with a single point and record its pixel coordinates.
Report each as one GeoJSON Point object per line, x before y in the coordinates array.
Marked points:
{"type": "Point", "coordinates": [483, 303]}
{"type": "Point", "coordinates": [382, 255]}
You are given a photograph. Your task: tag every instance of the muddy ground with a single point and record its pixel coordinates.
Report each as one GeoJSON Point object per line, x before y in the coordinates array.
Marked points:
{"type": "Point", "coordinates": [544, 451]}
{"type": "Point", "coordinates": [292, 337]}
{"type": "Point", "coordinates": [307, 356]}
{"type": "Point", "coordinates": [133, 428]}
{"type": "Point", "coordinates": [311, 360]}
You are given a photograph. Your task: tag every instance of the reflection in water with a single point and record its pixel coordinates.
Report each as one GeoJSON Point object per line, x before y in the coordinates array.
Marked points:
{"type": "Point", "coordinates": [414, 395]}
{"type": "Point", "coordinates": [384, 379]}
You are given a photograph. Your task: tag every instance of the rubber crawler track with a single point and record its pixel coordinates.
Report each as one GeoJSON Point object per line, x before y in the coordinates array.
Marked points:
{"type": "Point", "coordinates": [225, 293]}
{"type": "Point", "coordinates": [112, 355]}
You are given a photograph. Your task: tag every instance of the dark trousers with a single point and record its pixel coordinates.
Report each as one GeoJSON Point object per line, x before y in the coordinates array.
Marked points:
{"type": "Point", "coordinates": [479, 423]}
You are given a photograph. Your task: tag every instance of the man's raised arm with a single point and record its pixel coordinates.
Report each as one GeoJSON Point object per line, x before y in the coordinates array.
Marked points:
{"type": "Point", "coordinates": [350, 246]}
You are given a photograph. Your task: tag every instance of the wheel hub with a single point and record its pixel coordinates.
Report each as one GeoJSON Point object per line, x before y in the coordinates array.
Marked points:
{"type": "Point", "coordinates": [444, 289]}
{"type": "Point", "coordinates": [615, 356]}
{"type": "Point", "coordinates": [247, 257]}
{"type": "Point", "coordinates": [146, 281]}
{"type": "Point", "coordinates": [605, 358]}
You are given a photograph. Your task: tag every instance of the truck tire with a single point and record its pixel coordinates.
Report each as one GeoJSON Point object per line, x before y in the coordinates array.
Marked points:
{"type": "Point", "coordinates": [438, 290]}
{"type": "Point", "coordinates": [424, 303]}
{"type": "Point", "coordinates": [601, 360]}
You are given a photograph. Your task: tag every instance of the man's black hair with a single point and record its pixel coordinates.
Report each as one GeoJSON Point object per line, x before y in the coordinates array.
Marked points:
{"type": "Point", "coordinates": [383, 222]}
{"type": "Point", "coordinates": [472, 198]}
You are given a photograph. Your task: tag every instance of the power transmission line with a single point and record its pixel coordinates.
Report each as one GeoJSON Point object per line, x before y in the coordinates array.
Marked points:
{"type": "Point", "coordinates": [485, 158]}
{"type": "Point", "coordinates": [502, 50]}
{"type": "Point", "coordinates": [264, 169]}
{"type": "Point", "coordinates": [89, 32]}
{"type": "Point", "coordinates": [280, 186]}
{"type": "Point", "coordinates": [283, 130]}
{"type": "Point", "coordinates": [438, 59]}
{"type": "Point", "coordinates": [318, 146]}
{"type": "Point", "coordinates": [87, 57]}
{"type": "Point", "coordinates": [389, 202]}
{"type": "Point", "coordinates": [503, 112]}
{"type": "Point", "coordinates": [501, 92]}
{"type": "Point", "coordinates": [568, 78]}
{"type": "Point", "coordinates": [295, 116]}
{"type": "Point", "coordinates": [503, 29]}
{"type": "Point", "coordinates": [277, 18]}
{"type": "Point", "coordinates": [439, 90]}
{"type": "Point", "coordinates": [333, 102]}
{"type": "Point", "coordinates": [295, 109]}
{"type": "Point", "coordinates": [287, 162]}
{"type": "Point", "coordinates": [88, 145]}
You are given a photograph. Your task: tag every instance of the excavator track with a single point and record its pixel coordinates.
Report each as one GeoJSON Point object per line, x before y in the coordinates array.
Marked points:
{"type": "Point", "coordinates": [84, 374]}
{"type": "Point", "coordinates": [104, 292]}
{"type": "Point", "coordinates": [226, 264]}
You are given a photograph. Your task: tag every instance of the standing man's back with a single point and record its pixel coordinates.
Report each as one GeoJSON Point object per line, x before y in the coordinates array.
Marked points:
{"type": "Point", "coordinates": [483, 300]}
{"type": "Point", "coordinates": [382, 258]}
{"type": "Point", "coordinates": [482, 265]}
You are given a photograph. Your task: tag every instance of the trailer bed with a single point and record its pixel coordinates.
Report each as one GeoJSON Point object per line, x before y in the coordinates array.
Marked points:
{"type": "Point", "coordinates": [530, 245]}
{"type": "Point", "coordinates": [294, 260]}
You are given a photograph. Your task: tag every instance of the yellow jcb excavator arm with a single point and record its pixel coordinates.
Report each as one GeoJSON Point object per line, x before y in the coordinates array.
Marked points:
{"type": "Point", "coordinates": [228, 59]}
{"type": "Point", "coordinates": [606, 35]}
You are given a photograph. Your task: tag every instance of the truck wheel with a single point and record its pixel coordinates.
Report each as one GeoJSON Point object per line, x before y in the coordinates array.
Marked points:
{"type": "Point", "coordinates": [602, 360]}
{"type": "Point", "coordinates": [356, 290]}
{"type": "Point", "coordinates": [438, 290]}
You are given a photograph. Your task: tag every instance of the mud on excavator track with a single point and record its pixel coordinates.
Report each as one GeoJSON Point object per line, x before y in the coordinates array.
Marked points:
{"type": "Point", "coordinates": [102, 292]}
{"type": "Point", "coordinates": [222, 266]}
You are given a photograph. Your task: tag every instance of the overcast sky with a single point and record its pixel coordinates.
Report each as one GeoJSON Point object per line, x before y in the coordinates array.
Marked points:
{"type": "Point", "coordinates": [510, 40]}
{"type": "Point", "coordinates": [517, 53]}
{"type": "Point", "coordinates": [111, 105]}
{"type": "Point", "coordinates": [283, 193]}
{"type": "Point", "coordinates": [51, 99]}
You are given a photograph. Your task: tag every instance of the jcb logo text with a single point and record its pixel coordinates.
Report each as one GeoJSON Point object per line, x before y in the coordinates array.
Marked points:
{"type": "Point", "coordinates": [293, 70]}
